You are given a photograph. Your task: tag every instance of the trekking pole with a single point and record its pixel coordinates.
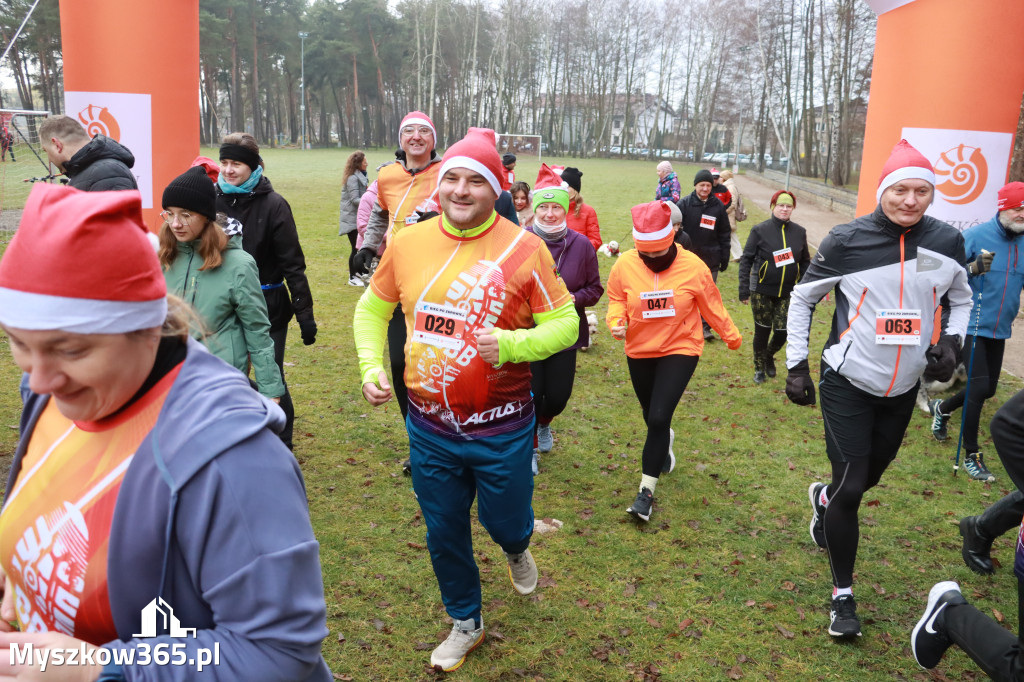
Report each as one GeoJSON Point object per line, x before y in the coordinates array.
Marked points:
{"type": "Point", "coordinates": [970, 366]}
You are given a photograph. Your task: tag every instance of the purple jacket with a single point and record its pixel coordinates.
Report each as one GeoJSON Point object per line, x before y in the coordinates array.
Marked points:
{"type": "Point", "coordinates": [576, 263]}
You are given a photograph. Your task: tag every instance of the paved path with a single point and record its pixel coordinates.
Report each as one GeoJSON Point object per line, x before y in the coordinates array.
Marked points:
{"type": "Point", "coordinates": [819, 221]}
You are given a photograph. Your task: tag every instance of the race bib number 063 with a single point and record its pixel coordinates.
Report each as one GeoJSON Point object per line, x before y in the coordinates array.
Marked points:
{"type": "Point", "coordinates": [437, 325]}
{"type": "Point", "coordinates": [898, 327]}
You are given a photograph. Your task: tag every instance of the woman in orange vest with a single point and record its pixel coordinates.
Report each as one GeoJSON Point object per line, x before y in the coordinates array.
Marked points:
{"type": "Point", "coordinates": [657, 294]}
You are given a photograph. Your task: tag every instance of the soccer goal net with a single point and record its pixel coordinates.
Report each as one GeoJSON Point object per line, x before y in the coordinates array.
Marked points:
{"type": "Point", "coordinates": [22, 162]}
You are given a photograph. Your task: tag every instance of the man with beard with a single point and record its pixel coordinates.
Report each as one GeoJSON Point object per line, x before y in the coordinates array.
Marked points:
{"type": "Point", "coordinates": [993, 248]}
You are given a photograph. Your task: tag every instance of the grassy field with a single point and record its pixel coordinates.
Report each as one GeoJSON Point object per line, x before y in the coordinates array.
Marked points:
{"type": "Point", "coordinates": [723, 584]}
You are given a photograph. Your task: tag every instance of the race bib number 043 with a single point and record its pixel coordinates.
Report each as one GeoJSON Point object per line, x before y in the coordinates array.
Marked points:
{"type": "Point", "coordinates": [654, 304]}
{"type": "Point", "coordinates": [898, 327]}
{"type": "Point", "coordinates": [783, 257]}
{"type": "Point", "coordinates": [437, 325]}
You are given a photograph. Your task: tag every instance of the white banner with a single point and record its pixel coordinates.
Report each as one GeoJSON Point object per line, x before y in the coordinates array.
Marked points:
{"type": "Point", "coordinates": [125, 118]}
{"type": "Point", "coordinates": [883, 6]}
{"type": "Point", "coordinates": [970, 168]}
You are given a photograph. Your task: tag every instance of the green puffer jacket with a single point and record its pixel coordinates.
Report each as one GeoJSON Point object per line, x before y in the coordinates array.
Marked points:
{"type": "Point", "coordinates": [230, 303]}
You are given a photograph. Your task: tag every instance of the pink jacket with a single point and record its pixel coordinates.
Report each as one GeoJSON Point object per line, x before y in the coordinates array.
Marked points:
{"type": "Point", "coordinates": [366, 203]}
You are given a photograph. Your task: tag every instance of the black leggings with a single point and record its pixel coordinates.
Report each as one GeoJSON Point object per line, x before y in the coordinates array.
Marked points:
{"type": "Point", "coordinates": [993, 647]}
{"type": "Point", "coordinates": [396, 353]}
{"type": "Point", "coordinates": [551, 382]}
{"type": "Point", "coordinates": [988, 362]}
{"type": "Point", "coordinates": [659, 384]}
{"type": "Point", "coordinates": [279, 337]}
{"type": "Point", "coordinates": [863, 434]}
{"type": "Point", "coordinates": [352, 236]}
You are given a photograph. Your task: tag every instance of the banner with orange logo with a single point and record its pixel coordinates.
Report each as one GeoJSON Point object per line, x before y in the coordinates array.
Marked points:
{"type": "Point", "coordinates": [131, 72]}
{"type": "Point", "coordinates": [948, 76]}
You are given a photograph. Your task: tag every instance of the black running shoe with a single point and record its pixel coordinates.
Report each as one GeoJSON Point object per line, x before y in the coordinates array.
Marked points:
{"type": "Point", "coordinates": [769, 366]}
{"type": "Point", "coordinates": [844, 617]}
{"type": "Point", "coordinates": [929, 639]}
{"type": "Point", "coordinates": [974, 463]}
{"type": "Point", "coordinates": [407, 467]}
{"type": "Point", "coordinates": [641, 507]}
{"type": "Point", "coordinates": [817, 514]}
{"type": "Point", "coordinates": [939, 420]}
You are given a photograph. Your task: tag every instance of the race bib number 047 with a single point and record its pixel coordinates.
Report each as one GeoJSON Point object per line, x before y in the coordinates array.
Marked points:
{"type": "Point", "coordinates": [437, 325]}
{"type": "Point", "coordinates": [654, 304]}
{"type": "Point", "coordinates": [898, 327]}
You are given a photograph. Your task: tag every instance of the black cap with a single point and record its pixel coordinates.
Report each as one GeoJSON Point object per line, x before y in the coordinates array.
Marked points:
{"type": "Point", "coordinates": [572, 177]}
{"type": "Point", "coordinates": [703, 175]}
{"type": "Point", "coordinates": [192, 191]}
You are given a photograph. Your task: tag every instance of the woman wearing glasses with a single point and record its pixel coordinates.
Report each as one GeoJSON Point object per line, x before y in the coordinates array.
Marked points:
{"type": "Point", "coordinates": [209, 269]}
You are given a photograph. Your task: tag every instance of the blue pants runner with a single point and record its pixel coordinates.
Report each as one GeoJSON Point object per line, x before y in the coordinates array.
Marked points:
{"type": "Point", "coordinates": [446, 475]}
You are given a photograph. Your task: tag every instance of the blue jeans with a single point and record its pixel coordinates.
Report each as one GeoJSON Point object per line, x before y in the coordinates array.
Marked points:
{"type": "Point", "coordinates": [446, 475]}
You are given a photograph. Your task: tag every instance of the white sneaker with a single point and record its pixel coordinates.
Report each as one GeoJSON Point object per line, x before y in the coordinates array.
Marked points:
{"type": "Point", "coordinates": [452, 652]}
{"type": "Point", "coordinates": [670, 461]}
{"type": "Point", "coordinates": [355, 281]}
{"type": "Point", "coordinates": [522, 570]}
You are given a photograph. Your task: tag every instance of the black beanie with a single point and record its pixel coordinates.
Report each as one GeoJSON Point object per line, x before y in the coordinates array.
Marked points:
{"type": "Point", "coordinates": [703, 175]}
{"type": "Point", "coordinates": [192, 191]}
{"type": "Point", "coordinates": [572, 177]}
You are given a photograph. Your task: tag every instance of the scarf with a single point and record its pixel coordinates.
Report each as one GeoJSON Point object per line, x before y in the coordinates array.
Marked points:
{"type": "Point", "coordinates": [552, 233]}
{"type": "Point", "coordinates": [659, 263]}
{"type": "Point", "coordinates": [246, 187]}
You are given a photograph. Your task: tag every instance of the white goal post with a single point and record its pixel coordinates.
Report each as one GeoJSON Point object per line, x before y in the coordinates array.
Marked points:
{"type": "Point", "coordinates": [520, 144]}
{"type": "Point", "coordinates": [22, 162]}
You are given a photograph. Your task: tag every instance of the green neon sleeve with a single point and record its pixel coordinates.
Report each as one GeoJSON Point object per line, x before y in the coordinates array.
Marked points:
{"type": "Point", "coordinates": [556, 330]}
{"type": "Point", "coordinates": [370, 329]}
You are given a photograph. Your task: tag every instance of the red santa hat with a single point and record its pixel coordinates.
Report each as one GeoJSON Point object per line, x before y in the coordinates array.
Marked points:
{"type": "Point", "coordinates": [476, 152]}
{"type": "Point", "coordinates": [550, 187]}
{"type": "Point", "coordinates": [652, 226]}
{"type": "Point", "coordinates": [418, 118]}
{"type": "Point", "coordinates": [81, 262]}
{"type": "Point", "coordinates": [1011, 196]}
{"type": "Point", "coordinates": [905, 163]}
{"type": "Point", "coordinates": [209, 166]}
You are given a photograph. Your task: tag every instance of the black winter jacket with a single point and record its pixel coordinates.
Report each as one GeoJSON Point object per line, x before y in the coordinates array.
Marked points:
{"type": "Point", "coordinates": [100, 166]}
{"type": "Point", "coordinates": [711, 235]}
{"type": "Point", "coordinates": [758, 271]}
{"type": "Point", "coordinates": [269, 235]}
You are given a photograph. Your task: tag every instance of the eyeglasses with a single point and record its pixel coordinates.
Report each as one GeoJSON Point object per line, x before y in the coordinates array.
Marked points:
{"type": "Point", "coordinates": [422, 130]}
{"type": "Point", "coordinates": [184, 218]}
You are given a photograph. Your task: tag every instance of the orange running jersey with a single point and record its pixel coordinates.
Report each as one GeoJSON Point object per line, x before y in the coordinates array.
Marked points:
{"type": "Point", "coordinates": [663, 309]}
{"type": "Point", "coordinates": [449, 287]}
{"type": "Point", "coordinates": [406, 195]}
{"type": "Point", "coordinates": [55, 526]}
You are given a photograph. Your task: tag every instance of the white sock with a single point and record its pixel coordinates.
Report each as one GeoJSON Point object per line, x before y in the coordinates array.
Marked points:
{"type": "Point", "coordinates": [649, 482]}
{"type": "Point", "coordinates": [840, 591]}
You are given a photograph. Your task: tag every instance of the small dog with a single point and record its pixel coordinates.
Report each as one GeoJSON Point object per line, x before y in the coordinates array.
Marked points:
{"type": "Point", "coordinates": [610, 249]}
{"type": "Point", "coordinates": [930, 390]}
{"type": "Point", "coordinates": [592, 324]}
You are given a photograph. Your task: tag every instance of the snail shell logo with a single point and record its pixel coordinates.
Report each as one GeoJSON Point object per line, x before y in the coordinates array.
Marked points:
{"type": "Point", "coordinates": [961, 174]}
{"type": "Point", "coordinates": [98, 120]}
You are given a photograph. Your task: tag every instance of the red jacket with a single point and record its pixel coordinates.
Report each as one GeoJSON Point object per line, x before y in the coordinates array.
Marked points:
{"type": "Point", "coordinates": [585, 223]}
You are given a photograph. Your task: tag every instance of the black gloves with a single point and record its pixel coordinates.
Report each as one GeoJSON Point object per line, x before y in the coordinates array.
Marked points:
{"type": "Point", "coordinates": [361, 262]}
{"type": "Point", "coordinates": [724, 266]}
{"type": "Point", "coordinates": [799, 385]}
{"type": "Point", "coordinates": [307, 326]}
{"type": "Point", "coordinates": [942, 358]}
{"type": "Point", "coordinates": [981, 264]}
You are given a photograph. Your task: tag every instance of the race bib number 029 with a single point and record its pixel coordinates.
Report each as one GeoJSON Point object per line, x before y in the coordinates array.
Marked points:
{"type": "Point", "coordinates": [654, 304]}
{"type": "Point", "coordinates": [437, 325]}
{"type": "Point", "coordinates": [898, 327]}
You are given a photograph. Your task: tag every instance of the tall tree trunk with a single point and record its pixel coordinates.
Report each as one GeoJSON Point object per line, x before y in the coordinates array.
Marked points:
{"type": "Point", "coordinates": [433, 62]}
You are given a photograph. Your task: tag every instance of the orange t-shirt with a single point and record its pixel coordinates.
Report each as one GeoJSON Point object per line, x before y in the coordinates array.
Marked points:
{"type": "Point", "coordinates": [55, 526]}
{"type": "Point", "coordinates": [405, 196]}
{"type": "Point", "coordinates": [663, 309]}
{"type": "Point", "coordinates": [449, 287]}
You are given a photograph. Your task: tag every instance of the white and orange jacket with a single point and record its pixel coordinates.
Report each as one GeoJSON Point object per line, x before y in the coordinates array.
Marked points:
{"type": "Point", "coordinates": [662, 310]}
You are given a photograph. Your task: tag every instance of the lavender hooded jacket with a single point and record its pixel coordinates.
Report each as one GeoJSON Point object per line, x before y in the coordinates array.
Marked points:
{"type": "Point", "coordinates": [576, 263]}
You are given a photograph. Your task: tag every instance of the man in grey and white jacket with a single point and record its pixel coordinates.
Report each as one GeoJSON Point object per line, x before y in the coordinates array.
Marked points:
{"type": "Point", "coordinates": [889, 270]}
